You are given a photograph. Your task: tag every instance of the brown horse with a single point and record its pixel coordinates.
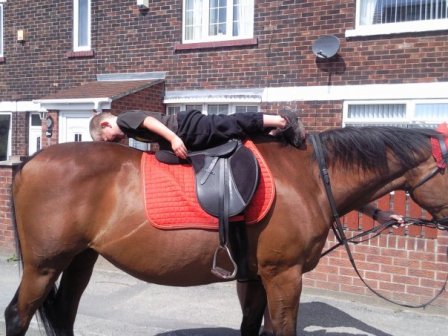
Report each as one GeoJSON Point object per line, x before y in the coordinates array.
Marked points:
{"type": "Point", "coordinates": [75, 201]}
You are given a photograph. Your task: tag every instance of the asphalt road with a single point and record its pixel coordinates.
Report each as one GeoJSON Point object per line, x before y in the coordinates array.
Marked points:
{"type": "Point", "coordinates": [116, 304]}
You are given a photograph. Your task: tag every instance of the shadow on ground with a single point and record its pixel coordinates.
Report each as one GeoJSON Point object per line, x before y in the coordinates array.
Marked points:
{"type": "Point", "coordinates": [316, 319]}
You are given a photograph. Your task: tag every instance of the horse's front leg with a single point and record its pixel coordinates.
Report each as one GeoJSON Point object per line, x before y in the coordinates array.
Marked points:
{"type": "Point", "coordinates": [283, 293]}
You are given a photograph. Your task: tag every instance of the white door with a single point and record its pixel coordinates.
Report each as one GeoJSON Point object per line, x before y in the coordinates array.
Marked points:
{"type": "Point", "coordinates": [74, 126]}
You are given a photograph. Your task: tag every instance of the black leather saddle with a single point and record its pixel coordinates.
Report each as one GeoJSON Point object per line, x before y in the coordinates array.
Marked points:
{"type": "Point", "coordinates": [226, 178]}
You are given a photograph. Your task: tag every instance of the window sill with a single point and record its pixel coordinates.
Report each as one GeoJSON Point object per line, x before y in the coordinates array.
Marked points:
{"type": "Point", "coordinates": [215, 44]}
{"type": "Point", "coordinates": [397, 28]}
{"type": "Point", "coordinates": [13, 161]}
{"type": "Point", "coordinates": [80, 54]}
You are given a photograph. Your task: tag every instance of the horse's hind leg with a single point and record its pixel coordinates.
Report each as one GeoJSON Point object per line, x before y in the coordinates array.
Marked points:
{"type": "Point", "coordinates": [253, 303]}
{"type": "Point", "coordinates": [61, 313]}
{"type": "Point", "coordinates": [34, 287]}
{"type": "Point", "coordinates": [57, 308]}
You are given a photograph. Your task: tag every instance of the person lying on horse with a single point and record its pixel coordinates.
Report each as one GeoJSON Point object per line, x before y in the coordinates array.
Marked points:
{"type": "Point", "coordinates": [194, 130]}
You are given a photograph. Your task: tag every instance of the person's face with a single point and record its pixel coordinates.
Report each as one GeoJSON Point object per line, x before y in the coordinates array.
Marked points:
{"type": "Point", "coordinates": [111, 132]}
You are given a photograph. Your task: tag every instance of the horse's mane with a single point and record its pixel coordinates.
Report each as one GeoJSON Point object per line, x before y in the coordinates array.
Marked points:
{"type": "Point", "coordinates": [367, 146]}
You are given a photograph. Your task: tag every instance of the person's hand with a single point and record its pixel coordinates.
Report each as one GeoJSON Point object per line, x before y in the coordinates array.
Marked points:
{"type": "Point", "coordinates": [400, 221]}
{"type": "Point", "coordinates": [178, 147]}
{"type": "Point", "coordinates": [385, 216]}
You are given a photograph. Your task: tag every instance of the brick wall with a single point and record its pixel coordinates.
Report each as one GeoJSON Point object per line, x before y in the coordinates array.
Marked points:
{"type": "Point", "coordinates": [408, 265]}
{"type": "Point", "coordinates": [19, 133]}
{"type": "Point", "coordinates": [405, 269]}
{"type": "Point", "coordinates": [46, 142]}
{"type": "Point", "coordinates": [124, 40]}
{"type": "Point", "coordinates": [315, 115]}
{"type": "Point", "coordinates": [6, 228]}
{"type": "Point", "coordinates": [150, 99]}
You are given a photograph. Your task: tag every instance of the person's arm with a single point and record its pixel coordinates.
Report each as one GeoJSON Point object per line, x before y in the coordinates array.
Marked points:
{"type": "Point", "coordinates": [155, 126]}
{"type": "Point", "coordinates": [381, 216]}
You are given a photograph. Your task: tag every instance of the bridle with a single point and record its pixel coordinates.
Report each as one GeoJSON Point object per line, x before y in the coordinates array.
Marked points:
{"type": "Point", "coordinates": [338, 228]}
{"type": "Point", "coordinates": [443, 148]}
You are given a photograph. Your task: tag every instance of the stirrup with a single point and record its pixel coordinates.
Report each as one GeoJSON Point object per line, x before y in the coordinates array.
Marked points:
{"type": "Point", "coordinates": [221, 272]}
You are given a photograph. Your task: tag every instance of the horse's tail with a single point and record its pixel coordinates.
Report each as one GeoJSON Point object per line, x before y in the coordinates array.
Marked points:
{"type": "Point", "coordinates": [14, 226]}
{"type": "Point", "coordinates": [47, 313]}
{"type": "Point", "coordinates": [13, 209]}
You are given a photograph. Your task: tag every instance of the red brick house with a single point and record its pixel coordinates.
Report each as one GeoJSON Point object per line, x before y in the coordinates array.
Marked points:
{"type": "Point", "coordinates": [60, 62]}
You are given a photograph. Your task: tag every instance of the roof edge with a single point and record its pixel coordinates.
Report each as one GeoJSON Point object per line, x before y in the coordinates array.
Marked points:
{"type": "Point", "coordinates": [137, 76]}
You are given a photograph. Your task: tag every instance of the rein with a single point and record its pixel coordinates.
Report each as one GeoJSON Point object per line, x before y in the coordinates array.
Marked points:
{"type": "Point", "coordinates": [338, 229]}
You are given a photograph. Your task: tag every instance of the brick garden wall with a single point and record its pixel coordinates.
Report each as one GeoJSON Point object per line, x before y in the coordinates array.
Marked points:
{"type": "Point", "coordinates": [408, 265]}
{"type": "Point", "coordinates": [406, 269]}
{"type": "Point", "coordinates": [6, 227]}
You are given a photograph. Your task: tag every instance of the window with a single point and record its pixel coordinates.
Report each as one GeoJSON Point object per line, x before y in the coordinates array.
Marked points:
{"type": "Point", "coordinates": [1, 30]}
{"type": "Point", "coordinates": [213, 108]}
{"type": "Point", "coordinates": [173, 110]}
{"type": "Point", "coordinates": [217, 20]}
{"type": "Point", "coordinates": [193, 107]}
{"type": "Point", "coordinates": [395, 16]}
{"type": "Point", "coordinates": [5, 141]}
{"type": "Point", "coordinates": [396, 113]}
{"type": "Point", "coordinates": [392, 11]}
{"type": "Point", "coordinates": [81, 25]}
{"type": "Point", "coordinates": [218, 109]}
{"type": "Point", "coordinates": [244, 109]}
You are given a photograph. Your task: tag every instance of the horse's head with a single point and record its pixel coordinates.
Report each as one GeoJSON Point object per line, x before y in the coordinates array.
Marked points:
{"type": "Point", "coordinates": [377, 160]}
{"type": "Point", "coordinates": [427, 184]}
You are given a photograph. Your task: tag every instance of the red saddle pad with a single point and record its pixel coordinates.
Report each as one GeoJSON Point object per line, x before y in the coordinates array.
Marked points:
{"type": "Point", "coordinates": [170, 198]}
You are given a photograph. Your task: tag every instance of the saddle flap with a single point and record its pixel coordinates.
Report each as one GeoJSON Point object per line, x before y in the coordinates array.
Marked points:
{"type": "Point", "coordinates": [241, 175]}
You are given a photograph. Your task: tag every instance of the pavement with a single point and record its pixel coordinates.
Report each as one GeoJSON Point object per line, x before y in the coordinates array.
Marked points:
{"type": "Point", "coordinates": [116, 304]}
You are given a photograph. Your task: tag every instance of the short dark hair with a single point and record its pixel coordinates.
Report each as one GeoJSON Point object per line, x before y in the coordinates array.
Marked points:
{"type": "Point", "coordinates": [95, 125]}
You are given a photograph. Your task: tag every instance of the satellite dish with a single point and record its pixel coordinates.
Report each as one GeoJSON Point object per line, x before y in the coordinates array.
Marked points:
{"type": "Point", "coordinates": [326, 46]}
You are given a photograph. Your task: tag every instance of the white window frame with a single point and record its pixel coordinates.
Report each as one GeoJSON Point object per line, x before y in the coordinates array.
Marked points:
{"type": "Point", "coordinates": [8, 150]}
{"type": "Point", "coordinates": [76, 46]}
{"type": "Point", "coordinates": [34, 133]}
{"type": "Point", "coordinates": [2, 28]}
{"type": "Point", "coordinates": [232, 106]}
{"type": "Point", "coordinates": [409, 119]}
{"type": "Point", "coordinates": [205, 37]}
{"type": "Point", "coordinates": [394, 28]}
